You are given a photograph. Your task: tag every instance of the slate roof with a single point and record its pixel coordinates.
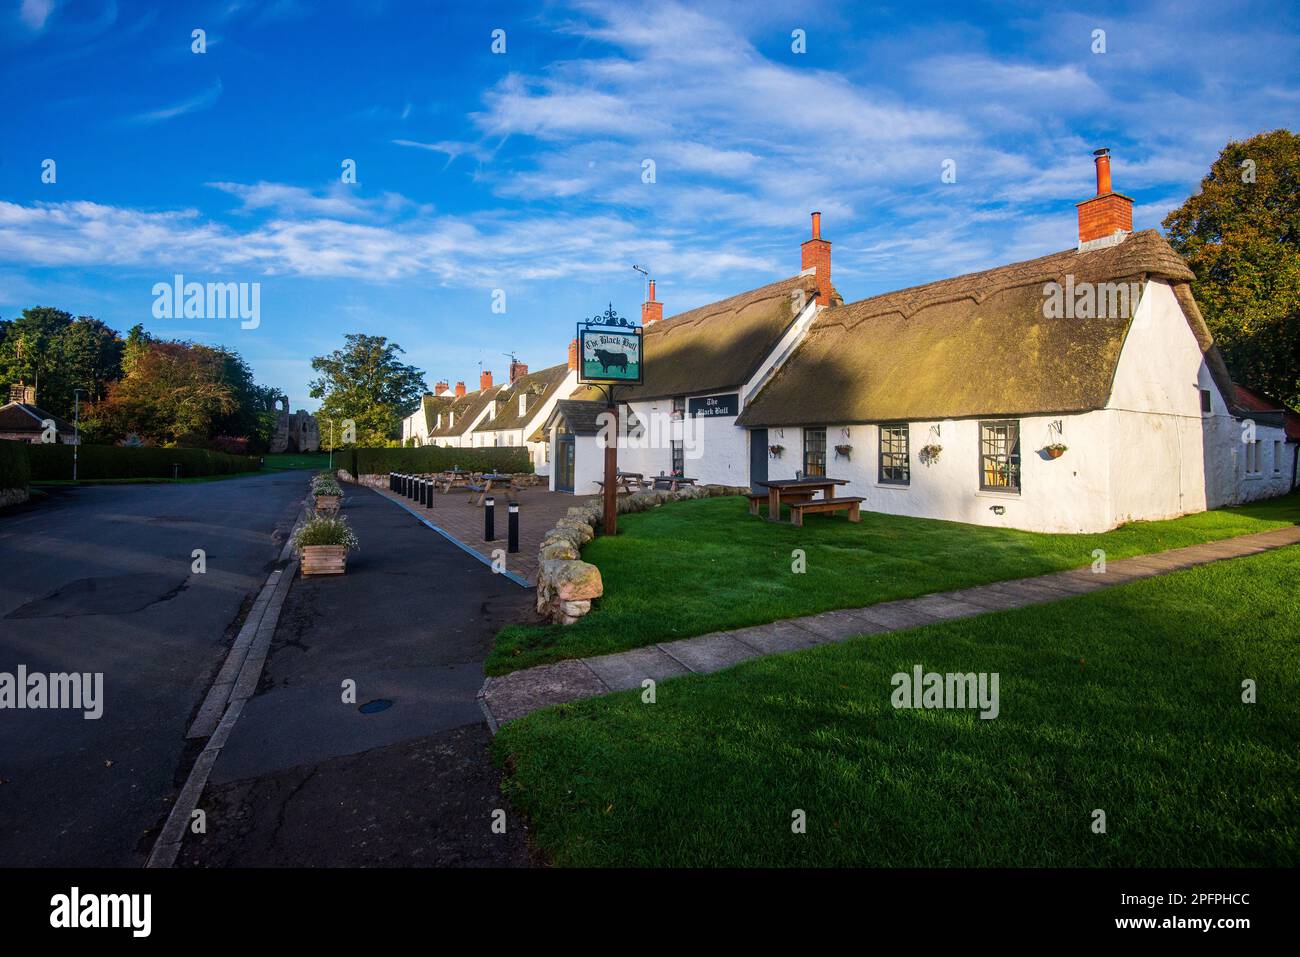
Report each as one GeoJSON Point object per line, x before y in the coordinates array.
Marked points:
{"type": "Point", "coordinates": [25, 417]}
{"type": "Point", "coordinates": [463, 409]}
{"type": "Point", "coordinates": [977, 344]}
{"type": "Point", "coordinates": [539, 386]}
{"type": "Point", "coordinates": [580, 416]}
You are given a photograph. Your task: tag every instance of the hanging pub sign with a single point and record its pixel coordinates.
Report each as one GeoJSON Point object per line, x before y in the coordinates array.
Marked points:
{"type": "Point", "coordinates": [609, 350]}
{"type": "Point", "coordinates": [714, 405]}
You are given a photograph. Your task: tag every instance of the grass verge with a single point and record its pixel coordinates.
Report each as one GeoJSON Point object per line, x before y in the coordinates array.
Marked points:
{"type": "Point", "coordinates": [1127, 700]}
{"type": "Point", "coordinates": [707, 565]}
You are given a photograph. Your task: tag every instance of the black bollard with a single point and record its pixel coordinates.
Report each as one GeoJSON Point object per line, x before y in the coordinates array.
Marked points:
{"type": "Point", "coordinates": [427, 501]}
{"type": "Point", "coordinates": [390, 481]}
{"type": "Point", "coordinates": [489, 519]}
{"type": "Point", "coordinates": [512, 533]}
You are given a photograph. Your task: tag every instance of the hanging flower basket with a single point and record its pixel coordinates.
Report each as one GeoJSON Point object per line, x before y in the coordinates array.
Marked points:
{"type": "Point", "coordinates": [1055, 450]}
{"type": "Point", "coordinates": [930, 454]}
{"type": "Point", "coordinates": [845, 451]}
{"type": "Point", "coordinates": [775, 451]}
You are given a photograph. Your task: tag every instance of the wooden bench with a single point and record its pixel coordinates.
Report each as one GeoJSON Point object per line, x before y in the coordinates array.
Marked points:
{"type": "Point", "coordinates": [848, 503]}
{"type": "Point", "coordinates": [787, 498]}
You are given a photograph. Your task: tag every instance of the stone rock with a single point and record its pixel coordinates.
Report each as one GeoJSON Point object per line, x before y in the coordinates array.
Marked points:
{"type": "Point", "coordinates": [584, 531]}
{"type": "Point", "coordinates": [561, 550]}
{"type": "Point", "coordinates": [575, 609]}
{"type": "Point", "coordinates": [574, 580]}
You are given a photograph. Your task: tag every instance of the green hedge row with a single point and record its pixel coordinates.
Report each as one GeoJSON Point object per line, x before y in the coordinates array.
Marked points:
{"type": "Point", "coordinates": [14, 470]}
{"type": "Point", "coordinates": [51, 461]}
{"type": "Point", "coordinates": [432, 458]}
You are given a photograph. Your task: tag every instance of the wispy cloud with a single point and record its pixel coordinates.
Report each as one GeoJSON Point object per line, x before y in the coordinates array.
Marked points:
{"type": "Point", "coordinates": [35, 13]}
{"type": "Point", "coordinates": [201, 101]}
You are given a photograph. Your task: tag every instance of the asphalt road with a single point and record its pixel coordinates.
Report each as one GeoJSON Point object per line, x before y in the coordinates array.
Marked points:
{"type": "Point", "coordinates": [100, 579]}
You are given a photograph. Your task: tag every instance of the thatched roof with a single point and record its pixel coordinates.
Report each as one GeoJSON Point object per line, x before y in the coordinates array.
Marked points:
{"type": "Point", "coordinates": [539, 386]}
{"type": "Point", "coordinates": [718, 346]}
{"type": "Point", "coordinates": [974, 345]}
{"type": "Point", "coordinates": [463, 410]}
{"type": "Point", "coordinates": [431, 405]}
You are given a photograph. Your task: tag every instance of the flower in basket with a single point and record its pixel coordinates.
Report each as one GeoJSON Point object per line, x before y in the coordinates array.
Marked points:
{"type": "Point", "coordinates": [844, 450]}
{"type": "Point", "coordinates": [930, 453]}
{"type": "Point", "coordinates": [775, 450]}
{"type": "Point", "coordinates": [1055, 450]}
{"type": "Point", "coordinates": [326, 488]}
{"type": "Point", "coordinates": [325, 530]}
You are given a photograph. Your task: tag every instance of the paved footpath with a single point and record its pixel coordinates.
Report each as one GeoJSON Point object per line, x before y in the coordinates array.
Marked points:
{"type": "Point", "coordinates": [306, 779]}
{"type": "Point", "coordinates": [522, 692]}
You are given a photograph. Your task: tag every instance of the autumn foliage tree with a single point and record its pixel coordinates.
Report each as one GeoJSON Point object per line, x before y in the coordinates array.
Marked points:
{"type": "Point", "coordinates": [1241, 236]}
{"type": "Point", "coordinates": [174, 393]}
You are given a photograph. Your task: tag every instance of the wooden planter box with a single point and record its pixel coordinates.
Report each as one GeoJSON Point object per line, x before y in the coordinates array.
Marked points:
{"type": "Point", "coordinates": [324, 559]}
{"type": "Point", "coordinates": [327, 503]}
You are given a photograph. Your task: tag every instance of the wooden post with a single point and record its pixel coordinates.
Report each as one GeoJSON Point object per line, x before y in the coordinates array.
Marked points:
{"type": "Point", "coordinates": [610, 521]}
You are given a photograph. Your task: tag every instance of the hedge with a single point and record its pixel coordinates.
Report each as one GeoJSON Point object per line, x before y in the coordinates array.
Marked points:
{"type": "Point", "coordinates": [14, 470]}
{"type": "Point", "coordinates": [50, 461]}
{"type": "Point", "coordinates": [432, 458]}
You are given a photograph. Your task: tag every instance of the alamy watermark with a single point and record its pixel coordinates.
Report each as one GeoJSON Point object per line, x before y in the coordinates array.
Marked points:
{"type": "Point", "coordinates": [1090, 300]}
{"type": "Point", "coordinates": [928, 690]}
{"type": "Point", "coordinates": [214, 300]}
{"type": "Point", "coordinates": [75, 690]}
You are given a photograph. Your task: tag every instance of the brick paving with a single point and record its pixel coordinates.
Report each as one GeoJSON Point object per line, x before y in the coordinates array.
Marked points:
{"type": "Point", "coordinates": [539, 509]}
{"type": "Point", "coordinates": [522, 692]}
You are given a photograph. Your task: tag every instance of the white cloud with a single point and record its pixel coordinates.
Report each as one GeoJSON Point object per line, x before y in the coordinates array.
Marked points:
{"type": "Point", "coordinates": [35, 13]}
{"type": "Point", "coordinates": [200, 101]}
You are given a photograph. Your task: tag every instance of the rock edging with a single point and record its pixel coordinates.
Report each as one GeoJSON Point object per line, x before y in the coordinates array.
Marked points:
{"type": "Point", "coordinates": [566, 585]}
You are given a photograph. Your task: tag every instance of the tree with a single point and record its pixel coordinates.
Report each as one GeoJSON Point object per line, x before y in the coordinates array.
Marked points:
{"type": "Point", "coordinates": [48, 349]}
{"type": "Point", "coordinates": [366, 382]}
{"type": "Point", "coordinates": [1241, 236]}
{"type": "Point", "coordinates": [175, 392]}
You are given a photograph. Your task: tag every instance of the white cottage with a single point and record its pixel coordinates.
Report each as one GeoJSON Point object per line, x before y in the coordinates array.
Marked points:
{"type": "Point", "coordinates": [1069, 393]}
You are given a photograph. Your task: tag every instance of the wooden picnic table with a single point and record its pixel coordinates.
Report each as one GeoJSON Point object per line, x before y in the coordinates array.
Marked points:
{"type": "Point", "coordinates": [626, 481]}
{"type": "Point", "coordinates": [489, 479]}
{"type": "Point", "coordinates": [448, 479]}
{"type": "Point", "coordinates": [672, 482]}
{"type": "Point", "coordinates": [798, 491]}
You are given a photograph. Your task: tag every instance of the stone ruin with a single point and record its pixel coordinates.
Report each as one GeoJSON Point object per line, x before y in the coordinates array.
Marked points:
{"type": "Point", "coordinates": [296, 432]}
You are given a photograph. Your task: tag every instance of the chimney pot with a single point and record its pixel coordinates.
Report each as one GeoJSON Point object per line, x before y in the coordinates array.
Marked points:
{"type": "Point", "coordinates": [485, 379]}
{"type": "Point", "coordinates": [817, 225]}
{"type": "Point", "coordinates": [460, 388]}
{"type": "Point", "coordinates": [1103, 170]}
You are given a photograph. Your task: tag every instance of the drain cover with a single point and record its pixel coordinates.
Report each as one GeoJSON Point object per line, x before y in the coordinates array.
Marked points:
{"type": "Point", "coordinates": [376, 706]}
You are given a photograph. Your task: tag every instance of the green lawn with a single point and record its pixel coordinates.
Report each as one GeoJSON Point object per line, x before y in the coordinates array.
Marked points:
{"type": "Point", "coordinates": [706, 565]}
{"type": "Point", "coordinates": [1126, 700]}
{"type": "Point", "coordinates": [297, 460]}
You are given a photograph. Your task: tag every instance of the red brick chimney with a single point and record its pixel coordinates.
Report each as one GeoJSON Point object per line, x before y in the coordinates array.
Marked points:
{"type": "Point", "coordinates": [517, 369]}
{"type": "Point", "coordinates": [460, 389]}
{"type": "Point", "coordinates": [817, 256]}
{"type": "Point", "coordinates": [485, 379]}
{"type": "Point", "coordinates": [573, 355]}
{"type": "Point", "coordinates": [1108, 212]}
{"type": "Point", "coordinates": [440, 387]}
{"type": "Point", "coordinates": [651, 310]}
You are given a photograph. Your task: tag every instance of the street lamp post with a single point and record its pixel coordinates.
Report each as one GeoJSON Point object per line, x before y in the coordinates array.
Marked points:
{"type": "Point", "coordinates": [76, 428]}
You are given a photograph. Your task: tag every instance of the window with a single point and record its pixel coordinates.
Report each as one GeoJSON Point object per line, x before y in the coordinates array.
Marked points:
{"type": "Point", "coordinates": [814, 451]}
{"type": "Point", "coordinates": [1206, 404]}
{"type": "Point", "coordinates": [895, 468]}
{"type": "Point", "coordinates": [1253, 465]}
{"type": "Point", "coordinates": [1000, 456]}
{"type": "Point", "coordinates": [679, 407]}
{"type": "Point", "coordinates": [1277, 458]}
{"type": "Point", "coordinates": [679, 459]}
{"type": "Point", "coordinates": [523, 404]}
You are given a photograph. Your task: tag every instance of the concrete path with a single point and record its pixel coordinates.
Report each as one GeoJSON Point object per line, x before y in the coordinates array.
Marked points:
{"type": "Point", "coordinates": [522, 692]}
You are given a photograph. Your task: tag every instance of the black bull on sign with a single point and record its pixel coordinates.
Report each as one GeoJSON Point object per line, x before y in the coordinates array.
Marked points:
{"type": "Point", "coordinates": [611, 360]}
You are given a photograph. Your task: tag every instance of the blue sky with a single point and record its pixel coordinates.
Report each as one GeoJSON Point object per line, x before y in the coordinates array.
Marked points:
{"type": "Point", "coordinates": [523, 171]}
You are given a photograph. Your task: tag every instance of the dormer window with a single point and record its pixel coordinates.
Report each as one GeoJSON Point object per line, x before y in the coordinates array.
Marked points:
{"type": "Point", "coordinates": [523, 403]}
